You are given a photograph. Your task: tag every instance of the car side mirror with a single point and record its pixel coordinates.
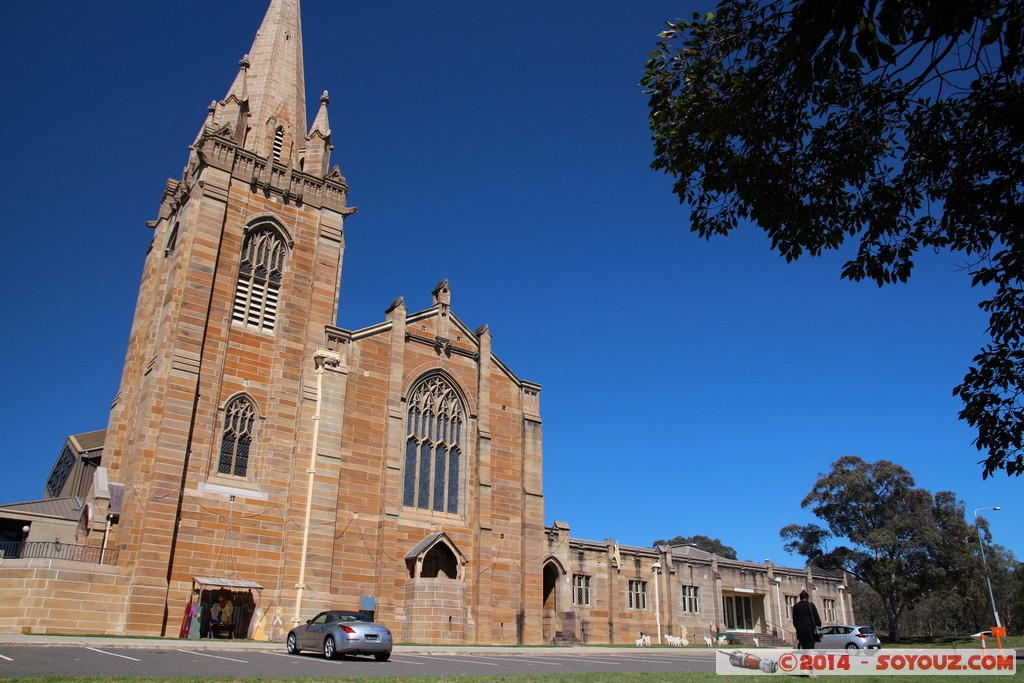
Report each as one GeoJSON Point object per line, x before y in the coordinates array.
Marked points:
{"type": "Point", "coordinates": [309, 621]}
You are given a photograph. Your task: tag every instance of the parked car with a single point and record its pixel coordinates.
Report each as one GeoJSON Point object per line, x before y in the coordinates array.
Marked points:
{"type": "Point", "coordinates": [839, 636]}
{"type": "Point", "coordinates": [337, 632]}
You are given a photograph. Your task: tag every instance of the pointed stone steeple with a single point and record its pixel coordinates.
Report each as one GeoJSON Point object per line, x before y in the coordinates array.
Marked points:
{"type": "Point", "coordinates": [318, 142]}
{"type": "Point", "coordinates": [272, 80]}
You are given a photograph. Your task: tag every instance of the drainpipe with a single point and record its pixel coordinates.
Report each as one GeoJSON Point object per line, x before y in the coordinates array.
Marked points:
{"type": "Point", "coordinates": [106, 535]}
{"type": "Point", "coordinates": [656, 568]}
{"type": "Point", "coordinates": [322, 358]}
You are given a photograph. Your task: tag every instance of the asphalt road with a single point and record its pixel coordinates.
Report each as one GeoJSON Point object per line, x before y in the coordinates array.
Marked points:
{"type": "Point", "coordinates": [86, 660]}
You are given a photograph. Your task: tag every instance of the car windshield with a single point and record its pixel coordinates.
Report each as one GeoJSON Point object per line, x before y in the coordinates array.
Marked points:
{"type": "Point", "coordinates": [867, 630]}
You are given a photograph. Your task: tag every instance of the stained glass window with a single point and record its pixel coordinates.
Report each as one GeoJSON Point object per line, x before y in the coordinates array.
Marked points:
{"type": "Point", "coordinates": [433, 450]}
{"type": "Point", "coordinates": [236, 439]}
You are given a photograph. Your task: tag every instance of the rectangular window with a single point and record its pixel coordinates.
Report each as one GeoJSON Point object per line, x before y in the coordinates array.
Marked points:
{"type": "Point", "coordinates": [790, 603]}
{"type": "Point", "coordinates": [637, 594]}
{"type": "Point", "coordinates": [830, 610]}
{"type": "Point", "coordinates": [581, 590]}
{"type": "Point", "coordinates": [691, 599]}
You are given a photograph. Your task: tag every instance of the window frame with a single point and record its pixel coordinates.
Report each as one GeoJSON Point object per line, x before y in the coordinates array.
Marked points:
{"type": "Point", "coordinates": [227, 425]}
{"type": "Point", "coordinates": [581, 590]}
{"type": "Point", "coordinates": [436, 438]}
{"type": "Point", "coordinates": [262, 262]}
{"type": "Point", "coordinates": [828, 607]}
{"type": "Point", "coordinates": [636, 594]}
{"type": "Point", "coordinates": [690, 602]}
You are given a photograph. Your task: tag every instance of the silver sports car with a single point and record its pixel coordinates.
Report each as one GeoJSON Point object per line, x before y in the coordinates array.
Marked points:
{"type": "Point", "coordinates": [337, 632]}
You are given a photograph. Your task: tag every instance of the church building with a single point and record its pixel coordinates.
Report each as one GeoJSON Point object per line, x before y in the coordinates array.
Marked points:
{"type": "Point", "coordinates": [261, 460]}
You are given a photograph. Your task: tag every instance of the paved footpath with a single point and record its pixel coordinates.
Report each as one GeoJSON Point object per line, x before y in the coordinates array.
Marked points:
{"type": "Point", "coordinates": [227, 644]}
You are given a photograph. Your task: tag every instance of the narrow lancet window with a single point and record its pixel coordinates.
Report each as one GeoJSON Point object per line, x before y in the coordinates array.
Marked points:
{"type": "Point", "coordinates": [433, 450]}
{"type": "Point", "coordinates": [236, 439]}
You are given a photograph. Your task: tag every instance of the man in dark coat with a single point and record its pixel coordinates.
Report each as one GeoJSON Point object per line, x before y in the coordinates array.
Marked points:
{"type": "Point", "coordinates": [805, 619]}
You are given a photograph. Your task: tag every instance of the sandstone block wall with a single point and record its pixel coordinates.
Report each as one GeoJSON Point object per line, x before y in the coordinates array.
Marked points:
{"type": "Point", "coordinates": [60, 596]}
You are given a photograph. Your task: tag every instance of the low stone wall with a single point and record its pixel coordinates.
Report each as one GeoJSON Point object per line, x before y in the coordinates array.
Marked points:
{"type": "Point", "coordinates": [61, 596]}
{"type": "Point", "coordinates": [435, 611]}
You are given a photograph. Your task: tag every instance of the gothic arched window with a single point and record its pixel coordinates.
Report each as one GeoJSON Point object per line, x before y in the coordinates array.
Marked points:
{"type": "Point", "coordinates": [435, 434]}
{"type": "Point", "coordinates": [259, 279]}
{"type": "Point", "coordinates": [236, 439]}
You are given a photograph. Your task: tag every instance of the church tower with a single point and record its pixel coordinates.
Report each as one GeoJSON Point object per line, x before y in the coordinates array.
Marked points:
{"type": "Point", "coordinates": [209, 434]}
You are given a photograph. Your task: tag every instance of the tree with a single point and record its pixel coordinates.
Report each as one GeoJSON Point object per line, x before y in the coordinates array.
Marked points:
{"type": "Point", "coordinates": [900, 541]}
{"type": "Point", "coordinates": [701, 542]}
{"type": "Point", "coordinates": [898, 124]}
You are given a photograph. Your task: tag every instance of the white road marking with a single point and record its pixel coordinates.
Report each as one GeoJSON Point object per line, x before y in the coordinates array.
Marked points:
{"type": "Point", "coordinates": [113, 654]}
{"type": "Point", "coordinates": [469, 661]}
{"type": "Point", "coordinates": [538, 661]}
{"type": "Point", "coordinates": [203, 654]}
{"type": "Point", "coordinates": [8, 659]}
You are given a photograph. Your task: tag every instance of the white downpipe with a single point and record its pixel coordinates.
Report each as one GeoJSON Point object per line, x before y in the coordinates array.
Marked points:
{"type": "Point", "coordinates": [656, 568]}
{"type": "Point", "coordinates": [321, 358]}
{"type": "Point", "coordinates": [106, 535]}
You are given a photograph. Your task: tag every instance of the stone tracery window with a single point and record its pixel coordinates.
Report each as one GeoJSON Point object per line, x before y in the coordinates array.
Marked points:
{"type": "Point", "coordinates": [434, 446]}
{"type": "Point", "coordinates": [236, 438]}
{"type": "Point", "coordinates": [258, 290]}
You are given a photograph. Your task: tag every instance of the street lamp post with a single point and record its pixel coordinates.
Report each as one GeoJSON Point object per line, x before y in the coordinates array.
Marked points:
{"type": "Point", "coordinates": [988, 580]}
{"type": "Point", "coordinates": [656, 568]}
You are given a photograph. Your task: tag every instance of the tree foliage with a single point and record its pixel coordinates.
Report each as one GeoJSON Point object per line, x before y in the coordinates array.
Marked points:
{"type": "Point", "coordinates": [701, 542]}
{"type": "Point", "coordinates": [899, 540]}
{"type": "Point", "coordinates": [955, 612]}
{"type": "Point", "coordinates": [894, 124]}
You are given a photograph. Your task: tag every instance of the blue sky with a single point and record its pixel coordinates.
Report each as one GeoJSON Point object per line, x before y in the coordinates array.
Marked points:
{"type": "Point", "coordinates": [689, 387]}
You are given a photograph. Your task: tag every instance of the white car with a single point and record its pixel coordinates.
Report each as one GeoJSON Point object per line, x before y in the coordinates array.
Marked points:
{"type": "Point", "coordinates": [842, 636]}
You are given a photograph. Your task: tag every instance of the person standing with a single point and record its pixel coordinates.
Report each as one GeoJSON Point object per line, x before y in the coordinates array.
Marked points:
{"type": "Point", "coordinates": [805, 621]}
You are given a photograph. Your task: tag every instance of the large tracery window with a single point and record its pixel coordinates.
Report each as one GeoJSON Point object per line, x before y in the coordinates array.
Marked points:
{"type": "Point", "coordinates": [434, 446]}
{"type": "Point", "coordinates": [259, 279]}
{"type": "Point", "coordinates": [236, 439]}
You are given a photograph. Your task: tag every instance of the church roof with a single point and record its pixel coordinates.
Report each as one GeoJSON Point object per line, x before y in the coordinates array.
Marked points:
{"type": "Point", "coordinates": [424, 544]}
{"type": "Point", "coordinates": [57, 508]}
{"type": "Point", "coordinates": [89, 441]}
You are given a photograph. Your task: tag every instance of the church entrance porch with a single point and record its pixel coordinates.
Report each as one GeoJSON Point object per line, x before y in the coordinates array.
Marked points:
{"type": "Point", "coordinates": [743, 612]}
{"type": "Point", "coordinates": [221, 608]}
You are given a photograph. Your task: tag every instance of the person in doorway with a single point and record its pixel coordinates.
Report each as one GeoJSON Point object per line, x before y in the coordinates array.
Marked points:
{"type": "Point", "coordinates": [805, 621]}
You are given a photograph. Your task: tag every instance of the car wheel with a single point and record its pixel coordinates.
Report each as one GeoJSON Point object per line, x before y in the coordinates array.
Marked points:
{"type": "Point", "coordinates": [329, 651]}
{"type": "Point", "coordinates": [852, 648]}
{"type": "Point", "coordinates": [382, 656]}
{"type": "Point", "coordinates": [292, 644]}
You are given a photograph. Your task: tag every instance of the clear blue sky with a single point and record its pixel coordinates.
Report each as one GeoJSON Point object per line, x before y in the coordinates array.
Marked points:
{"type": "Point", "coordinates": [688, 387]}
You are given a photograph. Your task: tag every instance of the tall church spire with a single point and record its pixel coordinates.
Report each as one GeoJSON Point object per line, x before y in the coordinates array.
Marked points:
{"type": "Point", "coordinates": [272, 80]}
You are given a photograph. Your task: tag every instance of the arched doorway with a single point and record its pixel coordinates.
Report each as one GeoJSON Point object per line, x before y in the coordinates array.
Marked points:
{"type": "Point", "coordinates": [552, 573]}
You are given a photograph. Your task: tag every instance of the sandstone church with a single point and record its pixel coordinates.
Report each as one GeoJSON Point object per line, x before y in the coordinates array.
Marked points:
{"type": "Point", "coordinates": [260, 459]}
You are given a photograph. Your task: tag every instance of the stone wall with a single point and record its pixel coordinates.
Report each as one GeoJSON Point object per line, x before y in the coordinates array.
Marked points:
{"type": "Point", "coordinates": [60, 596]}
{"type": "Point", "coordinates": [436, 611]}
